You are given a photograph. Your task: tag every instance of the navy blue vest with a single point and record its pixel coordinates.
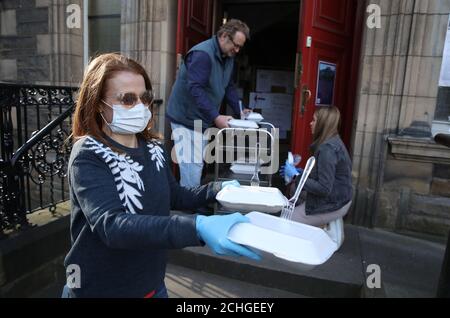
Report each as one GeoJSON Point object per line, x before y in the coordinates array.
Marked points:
{"type": "Point", "coordinates": [182, 107]}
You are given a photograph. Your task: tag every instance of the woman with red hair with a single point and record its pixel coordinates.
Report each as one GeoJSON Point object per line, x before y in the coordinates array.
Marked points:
{"type": "Point", "coordinates": [122, 191]}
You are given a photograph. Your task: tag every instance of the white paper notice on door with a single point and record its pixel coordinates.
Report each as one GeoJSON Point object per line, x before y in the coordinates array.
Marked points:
{"type": "Point", "coordinates": [275, 108]}
{"type": "Point", "coordinates": [444, 79]}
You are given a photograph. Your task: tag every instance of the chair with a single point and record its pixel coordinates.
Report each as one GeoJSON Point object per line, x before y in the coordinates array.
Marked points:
{"type": "Point", "coordinates": [335, 229]}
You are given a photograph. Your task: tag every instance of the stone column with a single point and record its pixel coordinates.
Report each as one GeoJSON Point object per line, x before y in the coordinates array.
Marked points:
{"type": "Point", "coordinates": [148, 34]}
{"type": "Point", "coordinates": [400, 66]}
{"type": "Point", "coordinates": [383, 60]}
{"type": "Point", "coordinates": [63, 45]}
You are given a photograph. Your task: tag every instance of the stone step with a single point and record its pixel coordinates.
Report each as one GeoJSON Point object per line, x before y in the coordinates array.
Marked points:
{"type": "Point", "coordinates": [341, 276]}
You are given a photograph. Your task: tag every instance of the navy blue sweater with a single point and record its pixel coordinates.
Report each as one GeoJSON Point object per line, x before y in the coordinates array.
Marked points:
{"type": "Point", "coordinates": [198, 65]}
{"type": "Point", "coordinates": [120, 222]}
{"type": "Point", "coordinates": [204, 80]}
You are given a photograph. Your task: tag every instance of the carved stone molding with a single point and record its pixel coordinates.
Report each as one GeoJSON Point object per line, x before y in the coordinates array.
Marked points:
{"type": "Point", "coordinates": [418, 149]}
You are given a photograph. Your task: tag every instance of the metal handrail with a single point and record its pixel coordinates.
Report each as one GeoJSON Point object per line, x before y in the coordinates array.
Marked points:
{"type": "Point", "coordinates": [18, 103]}
{"type": "Point", "coordinates": [39, 135]}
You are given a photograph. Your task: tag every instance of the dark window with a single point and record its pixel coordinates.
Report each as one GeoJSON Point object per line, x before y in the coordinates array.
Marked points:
{"type": "Point", "coordinates": [443, 104]}
{"type": "Point", "coordinates": [104, 26]}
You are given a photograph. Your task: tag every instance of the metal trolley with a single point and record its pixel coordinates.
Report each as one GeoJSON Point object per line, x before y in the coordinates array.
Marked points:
{"type": "Point", "coordinates": [243, 147]}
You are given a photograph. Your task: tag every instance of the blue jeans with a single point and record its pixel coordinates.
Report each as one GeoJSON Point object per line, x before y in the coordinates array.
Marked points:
{"type": "Point", "coordinates": [161, 292]}
{"type": "Point", "coordinates": [189, 149]}
{"type": "Point", "coordinates": [65, 292]}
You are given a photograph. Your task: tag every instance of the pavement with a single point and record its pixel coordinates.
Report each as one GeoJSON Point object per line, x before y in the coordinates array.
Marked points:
{"type": "Point", "coordinates": [182, 282]}
{"type": "Point", "coordinates": [410, 267]}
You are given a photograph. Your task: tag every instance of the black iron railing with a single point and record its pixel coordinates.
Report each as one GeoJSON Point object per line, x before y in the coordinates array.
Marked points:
{"type": "Point", "coordinates": [33, 175]}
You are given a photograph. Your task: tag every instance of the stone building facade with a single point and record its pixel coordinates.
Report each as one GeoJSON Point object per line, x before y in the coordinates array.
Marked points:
{"type": "Point", "coordinates": [401, 177]}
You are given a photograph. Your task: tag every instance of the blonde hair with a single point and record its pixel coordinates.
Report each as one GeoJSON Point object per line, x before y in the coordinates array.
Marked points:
{"type": "Point", "coordinates": [328, 121]}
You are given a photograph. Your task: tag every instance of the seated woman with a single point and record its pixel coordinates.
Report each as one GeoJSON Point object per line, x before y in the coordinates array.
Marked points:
{"type": "Point", "coordinates": [329, 186]}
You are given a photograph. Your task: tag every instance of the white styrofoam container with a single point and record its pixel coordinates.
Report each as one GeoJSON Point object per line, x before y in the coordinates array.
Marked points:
{"type": "Point", "coordinates": [256, 117]}
{"type": "Point", "coordinates": [246, 199]}
{"type": "Point", "coordinates": [242, 160]}
{"type": "Point", "coordinates": [239, 123]}
{"type": "Point", "coordinates": [243, 168]}
{"type": "Point", "coordinates": [285, 239]}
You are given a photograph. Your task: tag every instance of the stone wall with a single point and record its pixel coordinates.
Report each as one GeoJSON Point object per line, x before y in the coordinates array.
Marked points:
{"type": "Point", "coordinates": [32, 260]}
{"type": "Point", "coordinates": [36, 46]}
{"type": "Point", "coordinates": [393, 169]}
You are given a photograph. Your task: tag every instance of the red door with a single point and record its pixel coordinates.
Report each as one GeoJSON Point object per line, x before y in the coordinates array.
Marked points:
{"type": "Point", "coordinates": [194, 23]}
{"type": "Point", "coordinates": [327, 60]}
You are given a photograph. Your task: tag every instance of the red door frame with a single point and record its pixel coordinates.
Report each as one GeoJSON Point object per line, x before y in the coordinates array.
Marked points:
{"type": "Point", "coordinates": [194, 25]}
{"type": "Point", "coordinates": [301, 137]}
{"type": "Point", "coordinates": [354, 73]}
{"type": "Point", "coordinates": [180, 28]}
{"type": "Point", "coordinates": [192, 28]}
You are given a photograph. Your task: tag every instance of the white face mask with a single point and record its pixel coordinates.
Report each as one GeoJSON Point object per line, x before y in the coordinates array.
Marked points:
{"type": "Point", "coordinates": [127, 121]}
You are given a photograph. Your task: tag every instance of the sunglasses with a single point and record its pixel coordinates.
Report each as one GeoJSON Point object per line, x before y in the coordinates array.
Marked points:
{"type": "Point", "coordinates": [130, 99]}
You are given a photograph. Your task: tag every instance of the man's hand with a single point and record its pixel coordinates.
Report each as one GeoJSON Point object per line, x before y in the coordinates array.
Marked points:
{"type": "Point", "coordinates": [221, 121]}
{"type": "Point", "coordinates": [245, 112]}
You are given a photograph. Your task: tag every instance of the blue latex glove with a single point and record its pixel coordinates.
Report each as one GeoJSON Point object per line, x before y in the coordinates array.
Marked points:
{"type": "Point", "coordinates": [288, 171]}
{"type": "Point", "coordinates": [213, 230]}
{"type": "Point", "coordinates": [233, 183]}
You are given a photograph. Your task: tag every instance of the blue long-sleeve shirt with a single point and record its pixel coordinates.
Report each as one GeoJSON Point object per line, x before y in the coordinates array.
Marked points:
{"type": "Point", "coordinates": [121, 227]}
{"type": "Point", "coordinates": [198, 66]}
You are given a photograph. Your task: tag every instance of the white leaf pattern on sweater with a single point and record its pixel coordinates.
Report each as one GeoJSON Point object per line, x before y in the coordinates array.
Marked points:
{"type": "Point", "coordinates": [157, 153]}
{"type": "Point", "coordinates": [126, 171]}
